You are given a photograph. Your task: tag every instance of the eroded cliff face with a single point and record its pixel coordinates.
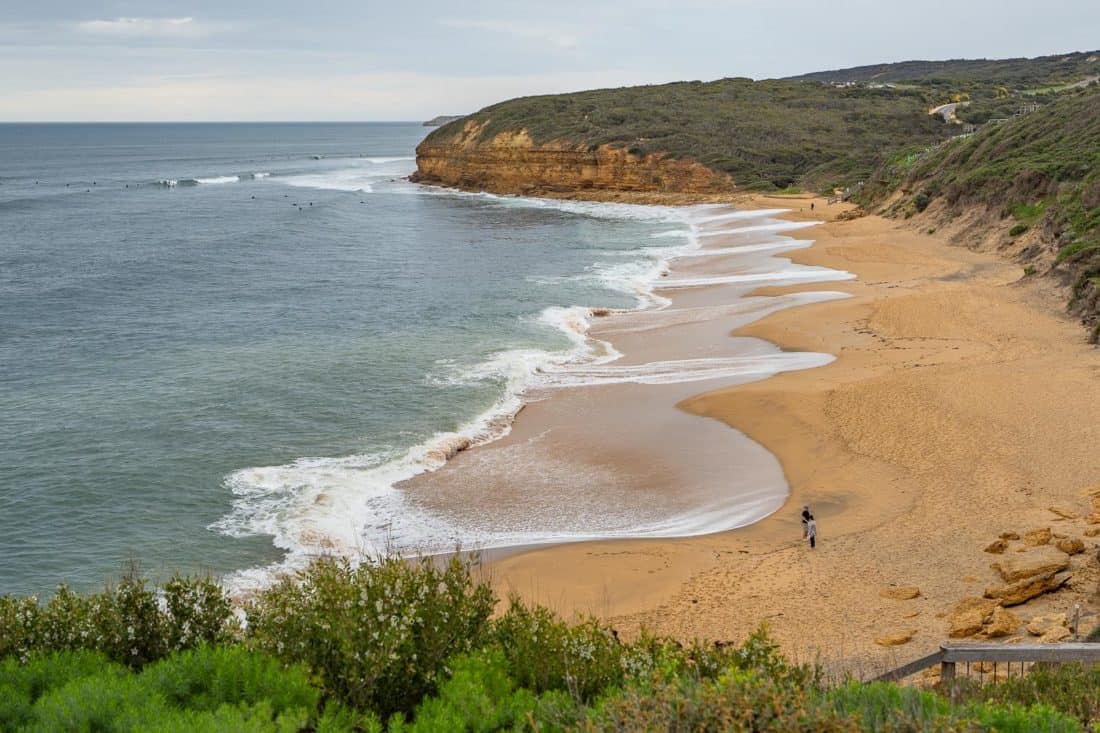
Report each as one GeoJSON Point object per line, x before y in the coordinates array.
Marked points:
{"type": "Point", "coordinates": [511, 163]}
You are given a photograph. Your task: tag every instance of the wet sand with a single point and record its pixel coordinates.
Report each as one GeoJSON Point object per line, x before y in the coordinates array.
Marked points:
{"type": "Point", "coordinates": [602, 450]}
{"type": "Point", "coordinates": [961, 404]}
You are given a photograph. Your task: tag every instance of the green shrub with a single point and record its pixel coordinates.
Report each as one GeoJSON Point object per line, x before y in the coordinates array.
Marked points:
{"type": "Point", "coordinates": [921, 201]}
{"type": "Point", "coordinates": [545, 653]}
{"type": "Point", "coordinates": [113, 700]}
{"type": "Point", "coordinates": [880, 706]}
{"type": "Point", "coordinates": [1017, 230]}
{"type": "Point", "coordinates": [224, 689]}
{"type": "Point", "coordinates": [1076, 248]}
{"type": "Point", "coordinates": [1029, 213]}
{"type": "Point", "coordinates": [21, 685]}
{"type": "Point", "coordinates": [739, 700]}
{"type": "Point", "coordinates": [19, 625]}
{"type": "Point", "coordinates": [1073, 689]}
{"type": "Point", "coordinates": [255, 718]}
{"type": "Point", "coordinates": [379, 634]}
{"type": "Point", "coordinates": [480, 697]}
{"type": "Point", "coordinates": [1022, 719]}
{"type": "Point", "coordinates": [205, 679]}
{"type": "Point", "coordinates": [127, 621]}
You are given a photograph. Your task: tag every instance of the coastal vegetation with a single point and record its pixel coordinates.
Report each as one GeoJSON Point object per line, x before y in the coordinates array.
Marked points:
{"type": "Point", "coordinates": [1036, 175]}
{"type": "Point", "coordinates": [764, 134]}
{"type": "Point", "coordinates": [415, 646]}
{"type": "Point", "coordinates": [1017, 138]}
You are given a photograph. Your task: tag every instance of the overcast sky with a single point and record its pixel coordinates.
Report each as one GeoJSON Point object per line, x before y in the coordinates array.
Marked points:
{"type": "Point", "coordinates": [369, 60]}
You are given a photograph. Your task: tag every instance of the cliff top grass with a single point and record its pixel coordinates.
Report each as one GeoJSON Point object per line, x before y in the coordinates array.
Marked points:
{"type": "Point", "coordinates": [818, 131]}
{"type": "Point", "coordinates": [1022, 73]}
{"type": "Point", "coordinates": [764, 134]}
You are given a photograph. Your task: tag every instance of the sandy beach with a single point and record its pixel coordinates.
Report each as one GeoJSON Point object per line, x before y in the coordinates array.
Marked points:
{"type": "Point", "coordinates": [961, 404]}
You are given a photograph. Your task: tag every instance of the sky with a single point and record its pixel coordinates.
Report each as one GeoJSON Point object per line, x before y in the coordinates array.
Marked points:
{"type": "Point", "coordinates": [214, 60]}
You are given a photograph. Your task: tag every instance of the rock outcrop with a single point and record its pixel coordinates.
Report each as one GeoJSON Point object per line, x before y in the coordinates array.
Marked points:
{"type": "Point", "coordinates": [1040, 625]}
{"type": "Point", "coordinates": [1036, 561]}
{"type": "Point", "coordinates": [896, 639]}
{"type": "Point", "coordinates": [512, 163]}
{"type": "Point", "coordinates": [1022, 591]}
{"type": "Point", "coordinates": [1001, 623]}
{"type": "Point", "coordinates": [970, 616]}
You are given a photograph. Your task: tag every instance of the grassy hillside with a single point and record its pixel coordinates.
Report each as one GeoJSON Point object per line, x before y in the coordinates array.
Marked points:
{"type": "Point", "coordinates": [805, 131]}
{"type": "Point", "coordinates": [1019, 73]}
{"type": "Point", "coordinates": [765, 134]}
{"type": "Point", "coordinates": [1040, 173]}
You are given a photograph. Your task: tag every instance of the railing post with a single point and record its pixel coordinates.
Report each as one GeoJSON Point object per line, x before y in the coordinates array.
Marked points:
{"type": "Point", "coordinates": [947, 671]}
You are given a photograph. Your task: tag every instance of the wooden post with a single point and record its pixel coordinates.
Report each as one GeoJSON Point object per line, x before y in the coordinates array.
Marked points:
{"type": "Point", "coordinates": [947, 671]}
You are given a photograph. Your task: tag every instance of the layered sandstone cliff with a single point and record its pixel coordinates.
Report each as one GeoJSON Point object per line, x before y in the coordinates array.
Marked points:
{"type": "Point", "coordinates": [511, 163]}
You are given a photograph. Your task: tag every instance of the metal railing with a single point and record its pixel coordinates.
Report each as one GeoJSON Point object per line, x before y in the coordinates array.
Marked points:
{"type": "Point", "coordinates": [950, 655]}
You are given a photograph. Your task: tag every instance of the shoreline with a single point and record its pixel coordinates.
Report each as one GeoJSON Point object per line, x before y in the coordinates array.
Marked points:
{"type": "Point", "coordinates": [606, 472]}
{"type": "Point", "coordinates": [905, 447]}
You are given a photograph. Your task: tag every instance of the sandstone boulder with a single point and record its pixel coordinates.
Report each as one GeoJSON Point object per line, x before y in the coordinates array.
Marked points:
{"type": "Point", "coordinates": [1010, 535]}
{"type": "Point", "coordinates": [1001, 623]}
{"type": "Point", "coordinates": [1063, 512]}
{"type": "Point", "coordinates": [1055, 635]}
{"type": "Point", "coordinates": [1092, 531]}
{"type": "Point", "coordinates": [896, 639]}
{"type": "Point", "coordinates": [996, 547]}
{"type": "Point", "coordinates": [900, 592]}
{"type": "Point", "coordinates": [1021, 591]}
{"type": "Point", "coordinates": [969, 616]}
{"type": "Point", "coordinates": [1040, 625]}
{"type": "Point", "coordinates": [1036, 561]}
{"type": "Point", "coordinates": [1037, 537]}
{"type": "Point", "coordinates": [1070, 546]}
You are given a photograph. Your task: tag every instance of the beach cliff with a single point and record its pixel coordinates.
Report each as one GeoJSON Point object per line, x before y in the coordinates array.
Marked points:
{"type": "Point", "coordinates": [512, 163]}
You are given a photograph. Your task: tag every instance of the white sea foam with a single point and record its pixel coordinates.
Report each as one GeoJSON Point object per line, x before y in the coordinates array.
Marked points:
{"type": "Point", "coordinates": [218, 179]}
{"type": "Point", "coordinates": [750, 214]}
{"type": "Point", "coordinates": [351, 506]}
{"type": "Point", "coordinates": [779, 226]}
{"type": "Point", "coordinates": [791, 275]}
{"type": "Point", "coordinates": [784, 245]}
{"type": "Point", "coordinates": [682, 370]}
{"type": "Point", "coordinates": [360, 177]}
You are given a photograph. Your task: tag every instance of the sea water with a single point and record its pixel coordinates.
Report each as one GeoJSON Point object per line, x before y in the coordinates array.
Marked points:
{"type": "Point", "coordinates": [186, 307]}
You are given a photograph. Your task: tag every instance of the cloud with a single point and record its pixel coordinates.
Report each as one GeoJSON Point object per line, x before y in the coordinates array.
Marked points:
{"type": "Point", "coordinates": [144, 27]}
{"type": "Point", "coordinates": [378, 96]}
{"type": "Point", "coordinates": [528, 30]}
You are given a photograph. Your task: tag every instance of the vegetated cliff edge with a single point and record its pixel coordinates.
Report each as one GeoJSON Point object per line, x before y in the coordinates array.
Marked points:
{"type": "Point", "coordinates": [687, 137]}
{"type": "Point", "coordinates": [1028, 187]}
{"type": "Point", "coordinates": [511, 162]}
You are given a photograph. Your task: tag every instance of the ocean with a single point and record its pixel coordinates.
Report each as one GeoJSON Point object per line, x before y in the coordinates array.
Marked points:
{"type": "Point", "coordinates": [207, 328]}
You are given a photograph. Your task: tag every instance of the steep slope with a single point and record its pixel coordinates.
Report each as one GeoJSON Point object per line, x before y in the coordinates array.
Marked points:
{"type": "Point", "coordinates": [686, 137]}
{"type": "Point", "coordinates": [1030, 186]}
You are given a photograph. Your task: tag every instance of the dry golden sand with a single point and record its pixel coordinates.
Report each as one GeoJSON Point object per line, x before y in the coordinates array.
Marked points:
{"type": "Point", "coordinates": [962, 404]}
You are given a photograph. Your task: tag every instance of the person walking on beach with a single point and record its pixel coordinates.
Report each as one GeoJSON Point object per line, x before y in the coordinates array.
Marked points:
{"type": "Point", "coordinates": [811, 206]}
{"type": "Point", "coordinates": [806, 517]}
{"type": "Point", "coordinates": [811, 532]}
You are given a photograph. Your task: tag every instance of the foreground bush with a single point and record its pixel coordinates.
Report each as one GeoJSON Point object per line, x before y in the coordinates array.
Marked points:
{"type": "Point", "coordinates": [130, 623]}
{"type": "Point", "coordinates": [1073, 689]}
{"type": "Point", "coordinates": [378, 635]}
{"type": "Point", "coordinates": [409, 647]}
{"type": "Point", "coordinates": [226, 689]}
